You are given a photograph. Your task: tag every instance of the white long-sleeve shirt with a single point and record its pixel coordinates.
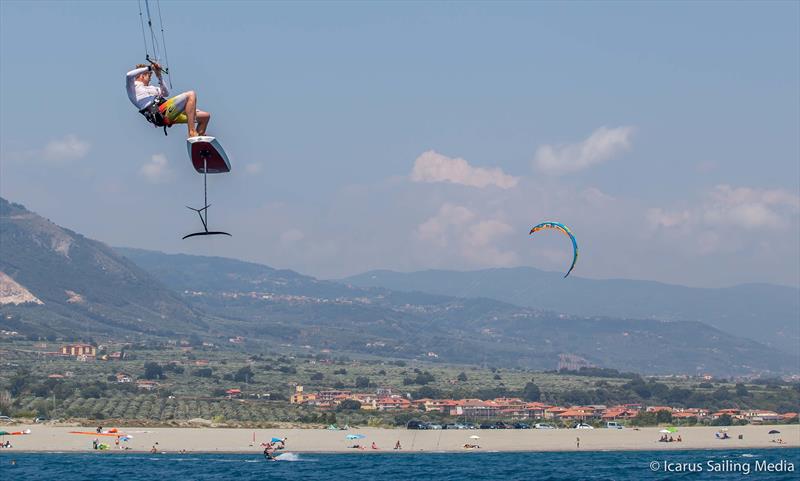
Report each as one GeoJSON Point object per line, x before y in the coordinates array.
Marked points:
{"type": "Point", "coordinates": [142, 95]}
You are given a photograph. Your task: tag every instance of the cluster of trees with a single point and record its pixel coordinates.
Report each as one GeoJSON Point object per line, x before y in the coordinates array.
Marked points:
{"type": "Point", "coordinates": [422, 378]}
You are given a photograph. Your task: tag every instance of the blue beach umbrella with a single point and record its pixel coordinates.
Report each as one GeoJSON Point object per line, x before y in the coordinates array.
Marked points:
{"type": "Point", "coordinates": [355, 436]}
{"type": "Point", "coordinates": [276, 440]}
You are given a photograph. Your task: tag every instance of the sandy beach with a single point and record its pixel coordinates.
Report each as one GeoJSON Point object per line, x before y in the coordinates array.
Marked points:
{"type": "Point", "coordinates": [170, 440]}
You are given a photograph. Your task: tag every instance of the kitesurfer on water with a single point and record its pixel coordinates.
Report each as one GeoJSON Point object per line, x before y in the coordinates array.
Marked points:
{"type": "Point", "coordinates": [268, 452]}
{"type": "Point", "coordinates": [149, 99]}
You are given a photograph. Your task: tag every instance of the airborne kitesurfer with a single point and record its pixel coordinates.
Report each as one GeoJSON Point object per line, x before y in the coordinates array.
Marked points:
{"type": "Point", "coordinates": [153, 102]}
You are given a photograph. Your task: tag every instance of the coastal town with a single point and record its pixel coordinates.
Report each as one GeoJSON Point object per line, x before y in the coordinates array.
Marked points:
{"type": "Point", "coordinates": [518, 409]}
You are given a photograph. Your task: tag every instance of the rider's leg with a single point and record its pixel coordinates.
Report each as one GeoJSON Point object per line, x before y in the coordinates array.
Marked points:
{"type": "Point", "coordinates": [202, 121]}
{"type": "Point", "coordinates": [190, 110]}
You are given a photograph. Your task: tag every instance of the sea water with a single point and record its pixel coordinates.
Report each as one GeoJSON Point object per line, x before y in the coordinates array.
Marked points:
{"type": "Point", "coordinates": [764, 464]}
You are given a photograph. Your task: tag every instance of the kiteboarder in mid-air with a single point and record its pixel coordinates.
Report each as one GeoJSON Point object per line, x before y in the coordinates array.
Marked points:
{"type": "Point", "coordinates": [160, 109]}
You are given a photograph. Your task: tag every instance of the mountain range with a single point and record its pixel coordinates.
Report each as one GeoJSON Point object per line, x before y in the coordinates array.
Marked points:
{"type": "Point", "coordinates": [56, 282]}
{"type": "Point", "coordinates": [766, 313]}
{"type": "Point", "coordinates": [387, 322]}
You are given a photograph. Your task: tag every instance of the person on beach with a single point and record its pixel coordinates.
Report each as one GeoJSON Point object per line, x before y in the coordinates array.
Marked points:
{"type": "Point", "coordinates": [578, 443]}
{"type": "Point", "coordinates": [397, 445]}
{"type": "Point", "coordinates": [374, 446]}
{"type": "Point", "coordinates": [95, 442]}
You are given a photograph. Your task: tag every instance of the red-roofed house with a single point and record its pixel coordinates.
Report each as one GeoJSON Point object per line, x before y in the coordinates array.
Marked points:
{"type": "Point", "coordinates": [578, 413]}
{"type": "Point", "coordinates": [439, 405]}
{"type": "Point", "coordinates": [734, 413]}
{"type": "Point", "coordinates": [687, 413]}
{"type": "Point", "coordinates": [392, 404]}
{"type": "Point", "coordinates": [554, 412]}
{"type": "Point", "coordinates": [509, 402]}
{"type": "Point", "coordinates": [475, 408]}
{"type": "Point", "coordinates": [536, 409]}
{"type": "Point", "coordinates": [655, 409]}
{"type": "Point", "coordinates": [618, 413]}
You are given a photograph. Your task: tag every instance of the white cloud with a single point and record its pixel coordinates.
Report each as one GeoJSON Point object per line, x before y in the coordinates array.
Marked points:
{"type": "Point", "coordinates": [750, 208]}
{"type": "Point", "coordinates": [484, 232]}
{"type": "Point", "coordinates": [658, 217]}
{"type": "Point", "coordinates": [434, 167]}
{"type": "Point", "coordinates": [602, 145]}
{"type": "Point", "coordinates": [253, 168]}
{"type": "Point", "coordinates": [457, 229]}
{"type": "Point", "coordinates": [738, 207]}
{"type": "Point", "coordinates": [70, 147]}
{"type": "Point", "coordinates": [157, 170]}
{"type": "Point", "coordinates": [436, 229]}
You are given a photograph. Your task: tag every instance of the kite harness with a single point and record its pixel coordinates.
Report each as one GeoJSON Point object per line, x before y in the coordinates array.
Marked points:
{"type": "Point", "coordinates": [154, 115]}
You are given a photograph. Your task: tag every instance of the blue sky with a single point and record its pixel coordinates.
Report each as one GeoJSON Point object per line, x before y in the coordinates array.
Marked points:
{"type": "Point", "coordinates": [411, 136]}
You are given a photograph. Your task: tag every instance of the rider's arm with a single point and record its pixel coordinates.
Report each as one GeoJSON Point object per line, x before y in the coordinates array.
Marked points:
{"type": "Point", "coordinates": [162, 85]}
{"type": "Point", "coordinates": [130, 82]}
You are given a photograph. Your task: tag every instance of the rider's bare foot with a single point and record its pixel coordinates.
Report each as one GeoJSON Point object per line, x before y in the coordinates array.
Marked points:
{"type": "Point", "coordinates": [193, 133]}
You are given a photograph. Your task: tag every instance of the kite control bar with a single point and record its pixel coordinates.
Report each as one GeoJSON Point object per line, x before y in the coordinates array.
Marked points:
{"type": "Point", "coordinates": [163, 69]}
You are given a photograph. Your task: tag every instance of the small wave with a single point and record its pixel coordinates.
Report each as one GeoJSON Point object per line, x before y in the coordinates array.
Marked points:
{"type": "Point", "coordinates": [288, 457]}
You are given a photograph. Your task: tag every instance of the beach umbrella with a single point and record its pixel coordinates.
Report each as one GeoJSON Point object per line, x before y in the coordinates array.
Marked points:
{"type": "Point", "coordinates": [774, 431]}
{"type": "Point", "coordinates": [474, 436]}
{"type": "Point", "coordinates": [672, 429]}
{"type": "Point", "coordinates": [352, 437]}
{"type": "Point", "coordinates": [276, 440]}
{"type": "Point", "coordinates": [665, 431]}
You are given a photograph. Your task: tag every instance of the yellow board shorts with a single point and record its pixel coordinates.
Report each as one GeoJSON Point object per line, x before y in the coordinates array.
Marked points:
{"type": "Point", "coordinates": [173, 109]}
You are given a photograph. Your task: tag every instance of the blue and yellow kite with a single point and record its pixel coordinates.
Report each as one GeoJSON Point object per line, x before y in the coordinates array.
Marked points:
{"type": "Point", "coordinates": [565, 230]}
